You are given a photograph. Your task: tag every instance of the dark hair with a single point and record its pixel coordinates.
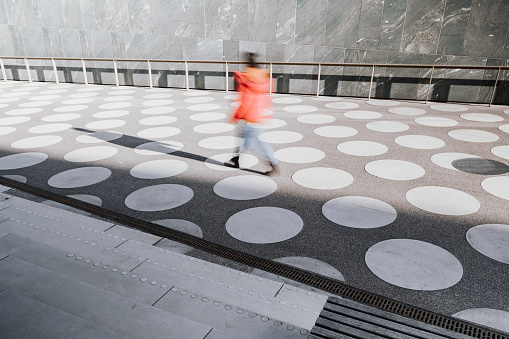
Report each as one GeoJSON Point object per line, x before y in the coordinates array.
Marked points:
{"type": "Point", "coordinates": [251, 59]}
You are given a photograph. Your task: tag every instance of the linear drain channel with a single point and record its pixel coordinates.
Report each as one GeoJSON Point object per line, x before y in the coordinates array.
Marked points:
{"type": "Point", "coordinates": [305, 277]}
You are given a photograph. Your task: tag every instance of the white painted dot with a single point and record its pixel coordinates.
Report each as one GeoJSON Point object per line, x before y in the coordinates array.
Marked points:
{"type": "Point", "coordinates": [359, 212]}
{"type": "Point", "coordinates": [158, 197]}
{"type": "Point", "coordinates": [105, 124]}
{"type": "Point", "coordinates": [210, 116]}
{"type": "Point", "coordinates": [217, 162]}
{"type": "Point", "coordinates": [157, 103]}
{"type": "Point", "coordinates": [322, 178]}
{"type": "Point", "coordinates": [158, 169]}
{"type": "Point", "coordinates": [496, 319]}
{"type": "Point", "coordinates": [506, 111]}
{"type": "Point", "coordinates": [362, 115]}
{"type": "Point", "coordinates": [245, 187]}
{"type": "Point", "coordinates": [79, 177]}
{"type": "Point", "coordinates": [199, 100]}
{"type": "Point", "coordinates": [159, 120]}
{"type": "Point", "coordinates": [264, 225]}
{"type": "Point", "coordinates": [6, 100]}
{"type": "Point", "coordinates": [90, 88]}
{"type": "Point", "coordinates": [179, 225]}
{"type": "Point", "coordinates": [481, 117]}
{"type": "Point", "coordinates": [336, 131]}
{"type": "Point", "coordinates": [21, 160]}
{"type": "Point", "coordinates": [212, 128]}
{"type": "Point", "coordinates": [119, 98]}
{"type": "Point", "coordinates": [7, 130]}
{"type": "Point", "coordinates": [286, 100]}
{"type": "Point", "coordinates": [498, 186]}
{"type": "Point", "coordinates": [71, 108]}
{"type": "Point", "coordinates": [23, 111]}
{"type": "Point", "coordinates": [442, 200]}
{"type": "Point", "coordinates": [37, 142]}
{"type": "Point", "coordinates": [499, 151]}
{"type": "Point", "coordinates": [342, 105]}
{"type": "Point", "coordinates": [61, 117]}
{"type": "Point", "coordinates": [270, 124]}
{"type": "Point", "coordinates": [158, 110]}
{"type": "Point", "coordinates": [115, 105]}
{"type": "Point", "coordinates": [419, 142]}
{"type": "Point", "coordinates": [84, 95]}
{"type": "Point", "coordinates": [492, 240]}
{"type": "Point", "coordinates": [383, 103]}
{"type": "Point", "coordinates": [13, 120]}
{"type": "Point", "coordinates": [49, 128]}
{"type": "Point", "coordinates": [36, 104]}
{"type": "Point", "coordinates": [158, 147]}
{"type": "Point", "coordinates": [436, 121]}
{"type": "Point", "coordinates": [445, 160]}
{"type": "Point", "coordinates": [221, 142]}
{"type": "Point", "coordinates": [395, 169]}
{"type": "Point", "coordinates": [407, 111]}
{"type": "Point", "coordinates": [362, 148]}
{"type": "Point", "coordinates": [77, 101]}
{"type": "Point", "coordinates": [473, 135]}
{"type": "Point", "coordinates": [387, 126]}
{"type": "Point", "coordinates": [195, 93]}
{"type": "Point", "coordinates": [325, 98]}
{"type": "Point", "coordinates": [91, 199]}
{"type": "Point", "coordinates": [44, 97]}
{"type": "Point", "coordinates": [158, 132]}
{"type": "Point", "coordinates": [110, 114]}
{"type": "Point", "coordinates": [316, 119]}
{"type": "Point", "coordinates": [54, 91]}
{"type": "Point", "coordinates": [414, 264]}
{"type": "Point", "coordinates": [299, 155]}
{"type": "Point", "coordinates": [121, 91]}
{"type": "Point", "coordinates": [158, 96]}
{"type": "Point", "coordinates": [449, 108]}
{"type": "Point", "coordinates": [98, 137]}
{"type": "Point", "coordinates": [18, 178]}
{"type": "Point", "coordinates": [504, 128]}
{"type": "Point", "coordinates": [91, 154]}
{"type": "Point", "coordinates": [280, 137]}
{"type": "Point", "coordinates": [203, 107]}
{"type": "Point", "coordinates": [14, 94]}
{"type": "Point", "coordinates": [299, 109]}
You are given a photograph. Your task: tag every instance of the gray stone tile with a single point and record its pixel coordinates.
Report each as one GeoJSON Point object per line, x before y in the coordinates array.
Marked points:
{"type": "Point", "coordinates": [51, 13]}
{"type": "Point", "coordinates": [463, 85]}
{"type": "Point", "coordinates": [14, 12]}
{"type": "Point", "coordinates": [506, 46]}
{"type": "Point", "coordinates": [310, 22]}
{"type": "Point", "coordinates": [286, 21]}
{"type": "Point", "coordinates": [218, 19]}
{"type": "Point", "coordinates": [156, 47]}
{"type": "Point", "coordinates": [72, 14]}
{"type": "Point", "coordinates": [379, 74]}
{"type": "Point", "coordinates": [240, 23]}
{"type": "Point", "coordinates": [354, 78]}
{"type": "Point", "coordinates": [6, 43]}
{"type": "Point", "coordinates": [52, 42]}
{"type": "Point", "coordinates": [454, 26]}
{"type": "Point", "coordinates": [18, 46]}
{"type": "Point", "coordinates": [189, 16]}
{"type": "Point", "coordinates": [117, 44]}
{"type": "Point", "coordinates": [369, 23]}
{"type": "Point", "coordinates": [31, 12]}
{"type": "Point", "coordinates": [435, 91]}
{"type": "Point", "coordinates": [262, 20]}
{"type": "Point", "coordinates": [403, 82]}
{"type": "Point", "coordinates": [87, 51]}
{"type": "Point", "coordinates": [133, 234]}
{"type": "Point", "coordinates": [3, 14]}
{"type": "Point", "coordinates": [71, 43]}
{"type": "Point", "coordinates": [159, 20]}
{"type": "Point", "coordinates": [391, 30]}
{"type": "Point", "coordinates": [101, 44]}
{"type": "Point", "coordinates": [330, 76]}
{"type": "Point", "coordinates": [298, 79]}
{"type": "Point", "coordinates": [134, 45]}
{"type": "Point", "coordinates": [87, 14]}
{"type": "Point", "coordinates": [104, 14]}
{"type": "Point", "coordinates": [121, 17]}
{"type": "Point", "coordinates": [139, 16]}
{"type": "Point", "coordinates": [489, 77]}
{"type": "Point", "coordinates": [32, 36]}
{"type": "Point", "coordinates": [342, 23]}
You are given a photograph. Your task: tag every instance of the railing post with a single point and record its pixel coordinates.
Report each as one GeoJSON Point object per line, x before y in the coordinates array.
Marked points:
{"type": "Point", "coordinates": [270, 77]}
{"type": "Point", "coordinates": [495, 86]}
{"type": "Point", "coordinates": [429, 86]}
{"type": "Point", "coordinates": [84, 71]}
{"type": "Point", "coordinates": [3, 69]}
{"type": "Point", "coordinates": [149, 74]}
{"type": "Point", "coordinates": [187, 76]}
{"type": "Point", "coordinates": [28, 70]}
{"type": "Point", "coordinates": [226, 67]}
{"type": "Point", "coordinates": [318, 81]}
{"type": "Point", "coordinates": [55, 70]}
{"type": "Point", "coordinates": [116, 71]}
{"type": "Point", "coordinates": [371, 82]}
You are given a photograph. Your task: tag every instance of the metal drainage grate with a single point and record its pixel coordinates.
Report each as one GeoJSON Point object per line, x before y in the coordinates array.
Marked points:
{"type": "Point", "coordinates": [302, 276]}
{"type": "Point", "coordinates": [480, 166]}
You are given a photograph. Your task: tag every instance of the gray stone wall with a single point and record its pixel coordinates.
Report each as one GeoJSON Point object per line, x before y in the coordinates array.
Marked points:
{"type": "Point", "coordinates": [440, 32]}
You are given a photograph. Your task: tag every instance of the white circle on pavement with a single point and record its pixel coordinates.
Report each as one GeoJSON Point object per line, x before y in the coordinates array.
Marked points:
{"type": "Point", "coordinates": [79, 177]}
{"type": "Point", "coordinates": [473, 135]}
{"type": "Point", "coordinates": [316, 119]}
{"type": "Point", "coordinates": [14, 94]}
{"type": "Point", "coordinates": [387, 126]}
{"type": "Point", "coordinates": [158, 169]}
{"type": "Point", "coordinates": [158, 96]}
{"type": "Point", "coordinates": [336, 131]}
{"type": "Point", "coordinates": [305, 263]}
{"type": "Point", "coordinates": [436, 121]}
{"type": "Point", "coordinates": [445, 160]}
{"type": "Point", "coordinates": [179, 225]}
{"type": "Point", "coordinates": [121, 91]}
{"type": "Point", "coordinates": [280, 137]}
{"type": "Point", "coordinates": [94, 153]}
{"type": "Point", "coordinates": [407, 111]}
{"type": "Point", "coordinates": [83, 95]}
{"type": "Point", "coordinates": [395, 169]}
{"type": "Point", "coordinates": [449, 108]}
{"type": "Point", "coordinates": [110, 114]}
{"type": "Point", "coordinates": [504, 128]}
{"type": "Point", "coordinates": [203, 107]}
{"type": "Point", "coordinates": [341, 105]}
{"type": "Point", "coordinates": [159, 120]}
{"type": "Point", "coordinates": [299, 109]}
{"type": "Point", "coordinates": [71, 108]}
{"type": "Point", "coordinates": [77, 101]}
{"type": "Point", "coordinates": [158, 103]}
{"type": "Point", "coordinates": [211, 116]}
{"type": "Point", "coordinates": [383, 103]}
{"type": "Point", "coordinates": [286, 100]}
{"type": "Point", "coordinates": [6, 130]}
{"type": "Point", "coordinates": [217, 162]}
{"type": "Point", "coordinates": [359, 212]}
{"type": "Point", "coordinates": [158, 197]}
{"type": "Point", "coordinates": [219, 127]}
{"type": "Point", "coordinates": [4, 100]}
{"type": "Point", "coordinates": [299, 155]}
{"type": "Point", "coordinates": [322, 178]}
{"type": "Point", "coordinates": [23, 111]}
{"type": "Point", "coordinates": [158, 110]}
{"type": "Point", "coordinates": [245, 187]}
{"type": "Point", "coordinates": [498, 186]}
{"type": "Point", "coordinates": [98, 137]}
{"type": "Point", "coordinates": [491, 240]}
{"type": "Point", "coordinates": [362, 148]}
{"type": "Point", "coordinates": [115, 105]}
{"type": "Point", "coordinates": [270, 123]}
{"type": "Point", "coordinates": [105, 124]}
{"type": "Point", "coordinates": [481, 117]}
{"type": "Point", "coordinates": [21, 160]}
{"type": "Point", "coordinates": [49, 128]}
{"type": "Point", "coordinates": [13, 120]}
{"type": "Point", "coordinates": [36, 104]}
{"type": "Point", "coordinates": [264, 225]}
{"type": "Point", "coordinates": [414, 264]}
{"type": "Point", "coordinates": [199, 100]}
{"type": "Point", "coordinates": [362, 115]}
{"type": "Point", "coordinates": [158, 147]}
{"type": "Point", "coordinates": [195, 93]}
{"type": "Point", "coordinates": [492, 318]}
{"type": "Point", "coordinates": [506, 111]}
{"type": "Point", "coordinates": [221, 142]}
{"type": "Point", "coordinates": [91, 88]}
{"type": "Point", "coordinates": [158, 132]}
{"type": "Point", "coordinates": [442, 200]}
{"type": "Point", "coordinates": [499, 151]}
{"type": "Point", "coordinates": [419, 142]}
{"type": "Point", "coordinates": [61, 117]}
{"type": "Point", "coordinates": [44, 97]}
{"type": "Point", "coordinates": [36, 142]}
{"type": "Point", "coordinates": [119, 98]}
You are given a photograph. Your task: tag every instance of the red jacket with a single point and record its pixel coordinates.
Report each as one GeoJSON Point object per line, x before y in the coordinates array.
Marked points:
{"type": "Point", "coordinates": [253, 98]}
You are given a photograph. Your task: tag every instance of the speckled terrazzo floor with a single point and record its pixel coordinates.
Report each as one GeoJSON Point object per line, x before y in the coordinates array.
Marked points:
{"type": "Point", "coordinates": [367, 191]}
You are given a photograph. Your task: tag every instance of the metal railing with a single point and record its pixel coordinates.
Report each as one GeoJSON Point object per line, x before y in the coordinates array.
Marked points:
{"type": "Point", "coordinates": [271, 64]}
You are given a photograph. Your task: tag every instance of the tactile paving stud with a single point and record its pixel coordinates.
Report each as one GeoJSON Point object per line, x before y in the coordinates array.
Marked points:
{"type": "Point", "coordinates": [153, 282]}
{"type": "Point", "coordinates": [228, 307]}
{"type": "Point", "coordinates": [205, 299]}
{"type": "Point", "coordinates": [290, 327]}
{"type": "Point", "coordinates": [278, 323]}
{"type": "Point", "coordinates": [252, 314]}
{"type": "Point", "coordinates": [240, 310]}
{"type": "Point", "coordinates": [265, 319]}
{"type": "Point", "coordinates": [143, 279]}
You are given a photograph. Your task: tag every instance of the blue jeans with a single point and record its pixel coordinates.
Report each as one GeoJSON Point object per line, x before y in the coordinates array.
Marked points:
{"type": "Point", "coordinates": [250, 135]}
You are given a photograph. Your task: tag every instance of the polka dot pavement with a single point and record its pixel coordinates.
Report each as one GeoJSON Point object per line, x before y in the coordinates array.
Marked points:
{"type": "Point", "coordinates": [367, 194]}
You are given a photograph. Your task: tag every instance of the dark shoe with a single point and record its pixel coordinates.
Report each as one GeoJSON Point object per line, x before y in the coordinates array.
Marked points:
{"type": "Point", "coordinates": [234, 162]}
{"type": "Point", "coordinates": [273, 171]}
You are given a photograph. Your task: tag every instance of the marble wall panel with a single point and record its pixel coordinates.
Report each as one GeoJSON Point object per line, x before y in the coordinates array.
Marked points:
{"type": "Point", "coordinates": [259, 48]}
{"type": "Point", "coordinates": [422, 26]}
{"type": "Point", "coordinates": [6, 48]}
{"type": "Point", "coordinates": [87, 51]}
{"type": "Point", "coordinates": [139, 15]}
{"type": "Point", "coordinates": [240, 20]}
{"type": "Point", "coordinates": [117, 45]}
{"type": "Point", "coordinates": [286, 21]}
{"type": "Point", "coordinates": [487, 28]}
{"type": "Point", "coordinates": [3, 14]}
{"type": "Point", "coordinates": [435, 90]}
{"type": "Point", "coordinates": [298, 79]}
{"type": "Point", "coordinates": [342, 23]}
{"type": "Point", "coordinates": [275, 53]}
{"type": "Point", "coordinates": [51, 13]}
{"type": "Point", "coordinates": [175, 51]}
{"type": "Point", "coordinates": [330, 76]}
{"type": "Point", "coordinates": [454, 26]}
{"type": "Point", "coordinates": [52, 42]}
{"type": "Point", "coordinates": [72, 14]}
{"type": "Point", "coordinates": [18, 47]}
{"type": "Point", "coordinates": [505, 54]}
{"type": "Point", "coordinates": [391, 29]}
{"type": "Point", "coordinates": [135, 47]}
{"type": "Point", "coordinates": [489, 78]}
{"type": "Point", "coordinates": [156, 46]}
{"type": "Point", "coordinates": [87, 14]}
{"type": "Point", "coordinates": [32, 37]}
{"type": "Point", "coordinates": [463, 85]}
{"type": "Point", "coordinates": [310, 22]}
{"type": "Point", "coordinates": [161, 12]}
{"type": "Point", "coordinates": [369, 23]}
{"type": "Point", "coordinates": [354, 79]}
{"type": "Point", "coordinates": [14, 11]}
{"type": "Point", "coordinates": [31, 12]}
{"type": "Point", "coordinates": [104, 15]}
{"type": "Point", "coordinates": [101, 44]}
{"type": "Point", "coordinates": [378, 87]}
{"type": "Point", "coordinates": [218, 19]}
{"type": "Point", "coordinates": [189, 18]}
{"type": "Point", "coordinates": [121, 18]}
{"type": "Point", "coordinates": [71, 43]}
{"type": "Point", "coordinates": [402, 83]}
{"type": "Point", "coordinates": [262, 20]}
{"type": "Point", "coordinates": [231, 53]}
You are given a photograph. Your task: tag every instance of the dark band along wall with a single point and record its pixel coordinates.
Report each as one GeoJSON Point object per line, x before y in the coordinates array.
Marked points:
{"type": "Point", "coordinates": [439, 32]}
